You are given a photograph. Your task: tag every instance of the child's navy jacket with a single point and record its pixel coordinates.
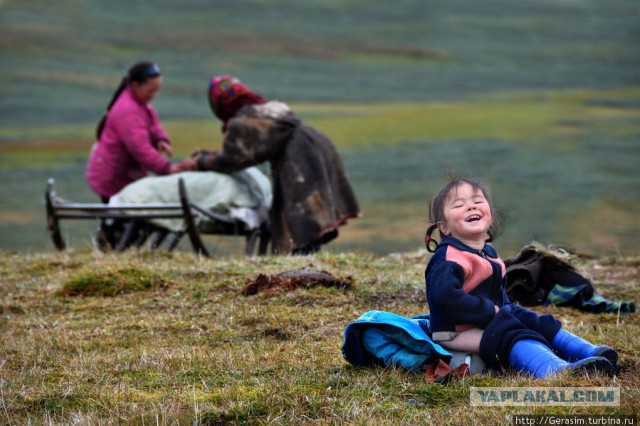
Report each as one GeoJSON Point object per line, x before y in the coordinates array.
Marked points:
{"type": "Point", "coordinates": [463, 285]}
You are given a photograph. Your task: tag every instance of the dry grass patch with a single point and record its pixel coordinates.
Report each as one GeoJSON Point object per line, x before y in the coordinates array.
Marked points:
{"type": "Point", "coordinates": [197, 351]}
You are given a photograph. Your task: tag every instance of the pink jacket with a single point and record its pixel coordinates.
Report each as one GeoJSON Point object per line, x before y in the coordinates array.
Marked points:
{"type": "Point", "coordinates": [126, 150]}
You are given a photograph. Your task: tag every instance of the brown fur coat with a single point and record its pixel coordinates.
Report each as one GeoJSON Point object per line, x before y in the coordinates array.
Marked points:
{"type": "Point", "coordinates": [312, 195]}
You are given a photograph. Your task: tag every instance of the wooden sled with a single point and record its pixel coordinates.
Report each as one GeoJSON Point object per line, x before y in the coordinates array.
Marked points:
{"type": "Point", "coordinates": [137, 228]}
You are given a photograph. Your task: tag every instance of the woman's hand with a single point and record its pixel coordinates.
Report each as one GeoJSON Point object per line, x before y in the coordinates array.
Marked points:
{"type": "Point", "coordinates": [200, 153]}
{"type": "Point", "coordinates": [165, 146]}
{"type": "Point", "coordinates": [496, 308]}
{"type": "Point", "coordinates": [184, 165]}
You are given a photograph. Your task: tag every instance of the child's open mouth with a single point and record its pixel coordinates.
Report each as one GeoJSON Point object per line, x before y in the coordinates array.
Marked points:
{"type": "Point", "coordinates": [473, 218]}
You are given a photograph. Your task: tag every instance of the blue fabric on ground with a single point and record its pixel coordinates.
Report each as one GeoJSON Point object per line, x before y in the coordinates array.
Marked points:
{"type": "Point", "coordinates": [384, 338]}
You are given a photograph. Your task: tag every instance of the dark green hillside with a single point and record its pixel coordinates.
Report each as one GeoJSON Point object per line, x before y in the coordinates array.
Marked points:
{"type": "Point", "coordinates": [61, 59]}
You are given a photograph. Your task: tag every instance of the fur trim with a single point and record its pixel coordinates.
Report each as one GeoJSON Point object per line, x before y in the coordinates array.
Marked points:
{"type": "Point", "coordinates": [272, 109]}
{"type": "Point", "coordinates": [561, 254]}
{"type": "Point", "coordinates": [551, 252]}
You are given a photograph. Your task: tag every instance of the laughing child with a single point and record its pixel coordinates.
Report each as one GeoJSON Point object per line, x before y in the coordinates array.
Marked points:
{"type": "Point", "coordinates": [470, 311]}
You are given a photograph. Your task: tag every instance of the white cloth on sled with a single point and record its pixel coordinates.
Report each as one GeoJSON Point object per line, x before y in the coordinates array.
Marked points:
{"type": "Point", "coordinates": [245, 195]}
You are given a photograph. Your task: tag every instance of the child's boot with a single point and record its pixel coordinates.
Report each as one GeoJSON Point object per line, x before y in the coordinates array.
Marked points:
{"type": "Point", "coordinates": [573, 348]}
{"type": "Point", "coordinates": [535, 358]}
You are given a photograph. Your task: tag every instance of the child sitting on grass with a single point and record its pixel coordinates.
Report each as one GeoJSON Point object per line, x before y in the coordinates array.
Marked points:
{"type": "Point", "coordinates": [470, 311]}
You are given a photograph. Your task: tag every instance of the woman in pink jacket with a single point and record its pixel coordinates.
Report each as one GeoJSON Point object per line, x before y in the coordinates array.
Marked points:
{"type": "Point", "coordinates": [130, 136]}
{"type": "Point", "coordinates": [129, 141]}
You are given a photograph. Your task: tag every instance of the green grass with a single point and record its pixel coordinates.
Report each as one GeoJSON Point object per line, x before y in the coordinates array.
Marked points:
{"type": "Point", "coordinates": [540, 100]}
{"type": "Point", "coordinates": [195, 350]}
{"type": "Point", "coordinates": [111, 282]}
{"type": "Point", "coordinates": [568, 116]}
{"type": "Point", "coordinates": [515, 118]}
{"type": "Point", "coordinates": [61, 62]}
{"type": "Point", "coordinates": [560, 165]}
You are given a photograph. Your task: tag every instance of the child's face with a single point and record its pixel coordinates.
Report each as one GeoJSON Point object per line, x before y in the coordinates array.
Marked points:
{"type": "Point", "coordinates": [467, 215]}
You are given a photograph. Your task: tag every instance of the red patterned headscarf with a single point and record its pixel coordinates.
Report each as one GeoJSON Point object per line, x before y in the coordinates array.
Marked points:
{"type": "Point", "coordinates": [227, 95]}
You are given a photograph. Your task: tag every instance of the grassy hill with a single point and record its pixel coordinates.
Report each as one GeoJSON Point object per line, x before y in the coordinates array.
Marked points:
{"type": "Point", "coordinates": [540, 100]}
{"type": "Point", "coordinates": [561, 165]}
{"type": "Point", "coordinates": [143, 338]}
{"type": "Point", "coordinates": [62, 60]}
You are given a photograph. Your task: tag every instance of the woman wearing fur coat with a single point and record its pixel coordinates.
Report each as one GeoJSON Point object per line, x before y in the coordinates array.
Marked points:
{"type": "Point", "coordinates": [312, 195]}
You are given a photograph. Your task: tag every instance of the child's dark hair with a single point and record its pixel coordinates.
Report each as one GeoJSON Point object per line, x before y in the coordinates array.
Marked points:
{"type": "Point", "coordinates": [139, 72]}
{"type": "Point", "coordinates": [436, 209]}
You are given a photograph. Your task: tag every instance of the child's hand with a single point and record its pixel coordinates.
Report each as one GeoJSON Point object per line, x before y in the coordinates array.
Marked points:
{"type": "Point", "coordinates": [496, 308]}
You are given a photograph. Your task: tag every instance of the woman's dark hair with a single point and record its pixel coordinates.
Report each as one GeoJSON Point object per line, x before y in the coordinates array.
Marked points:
{"type": "Point", "coordinates": [139, 72]}
{"type": "Point", "coordinates": [436, 209]}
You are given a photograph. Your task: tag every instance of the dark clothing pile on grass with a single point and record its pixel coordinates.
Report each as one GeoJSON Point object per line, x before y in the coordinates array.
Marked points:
{"type": "Point", "coordinates": [546, 275]}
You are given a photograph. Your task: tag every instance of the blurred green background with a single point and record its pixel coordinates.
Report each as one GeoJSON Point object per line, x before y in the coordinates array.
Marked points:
{"type": "Point", "coordinates": [541, 100]}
